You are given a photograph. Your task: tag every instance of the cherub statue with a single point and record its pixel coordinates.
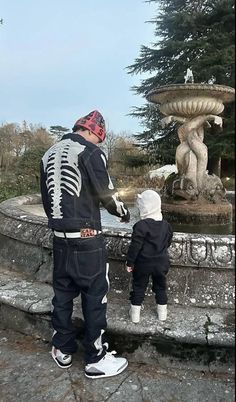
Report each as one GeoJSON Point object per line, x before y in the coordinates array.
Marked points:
{"type": "Point", "coordinates": [189, 76]}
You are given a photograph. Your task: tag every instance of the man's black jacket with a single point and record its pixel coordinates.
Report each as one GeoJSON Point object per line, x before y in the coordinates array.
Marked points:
{"type": "Point", "coordinates": [74, 181]}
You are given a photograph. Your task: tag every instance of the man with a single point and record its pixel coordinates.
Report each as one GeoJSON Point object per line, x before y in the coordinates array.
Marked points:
{"type": "Point", "coordinates": [74, 181]}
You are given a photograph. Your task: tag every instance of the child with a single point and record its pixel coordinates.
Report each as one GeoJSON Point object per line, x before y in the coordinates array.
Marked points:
{"type": "Point", "coordinates": [147, 255]}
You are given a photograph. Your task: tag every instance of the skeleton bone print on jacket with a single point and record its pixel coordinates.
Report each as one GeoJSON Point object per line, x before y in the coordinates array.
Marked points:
{"type": "Point", "coordinates": [74, 181]}
{"type": "Point", "coordinates": [60, 162]}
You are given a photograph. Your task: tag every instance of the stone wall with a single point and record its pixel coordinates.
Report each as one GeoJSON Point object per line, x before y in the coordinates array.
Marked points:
{"type": "Point", "coordinates": [202, 266]}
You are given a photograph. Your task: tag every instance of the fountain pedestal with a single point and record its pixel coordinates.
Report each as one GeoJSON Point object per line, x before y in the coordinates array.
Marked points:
{"type": "Point", "coordinates": [194, 106]}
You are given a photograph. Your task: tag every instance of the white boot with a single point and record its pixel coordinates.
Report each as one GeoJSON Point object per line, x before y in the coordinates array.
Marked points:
{"type": "Point", "coordinates": [162, 312]}
{"type": "Point", "coordinates": [134, 313]}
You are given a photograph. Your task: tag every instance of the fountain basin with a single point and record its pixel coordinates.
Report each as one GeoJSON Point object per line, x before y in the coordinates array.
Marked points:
{"type": "Point", "coordinates": [202, 265]}
{"type": "Point", "coordinates": [190, 100]}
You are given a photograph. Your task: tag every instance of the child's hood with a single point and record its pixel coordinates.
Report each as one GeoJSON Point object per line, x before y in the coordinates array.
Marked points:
{"type": "Point", "coordinates": [149, 205]}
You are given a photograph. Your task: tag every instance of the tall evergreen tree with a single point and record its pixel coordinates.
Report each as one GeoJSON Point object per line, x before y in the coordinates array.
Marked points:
{"type": "Point", "coordinates": [58, 131]}
{"type": "Point", "coordinates": [196, 34]}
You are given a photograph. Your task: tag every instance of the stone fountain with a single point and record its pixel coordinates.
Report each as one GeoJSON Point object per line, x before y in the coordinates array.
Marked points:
{"type": "Point", "coordinates": [201, 279]}
{"type": "Point", "coordinates": [192, 195]}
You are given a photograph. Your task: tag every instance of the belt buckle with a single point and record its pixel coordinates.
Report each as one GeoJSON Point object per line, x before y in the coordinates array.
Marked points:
{"type": "Point", "coordinates": [87, 232]}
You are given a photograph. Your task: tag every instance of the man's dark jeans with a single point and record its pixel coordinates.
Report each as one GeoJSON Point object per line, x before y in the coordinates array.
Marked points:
{"type": "Point", "coordinates": [80, 269]}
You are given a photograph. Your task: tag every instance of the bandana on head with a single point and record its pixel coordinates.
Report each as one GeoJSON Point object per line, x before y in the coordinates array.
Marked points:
{"type": "Point", "coordinates": [93, 122]}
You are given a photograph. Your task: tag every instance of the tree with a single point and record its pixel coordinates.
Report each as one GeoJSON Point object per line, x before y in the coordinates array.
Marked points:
{"type": "Point", "coordinates": [16, 139]}
{"type": "Point", "coordinates": [196, 34]}
{"type": "Point", "coordinates": [58, 131]}
{"type": "Point", "coordinates": [28, 165]}
{"type": "Point", "coordinates": [9, 145]}
{"type": "Point", "coordinates": [41, 139]}
{"type": "Point", "coordinates": [108, 146]}
{"type": "Point", "coordinates": [21, 148]}
{"type": "Point", "coordinates": [127, 157]}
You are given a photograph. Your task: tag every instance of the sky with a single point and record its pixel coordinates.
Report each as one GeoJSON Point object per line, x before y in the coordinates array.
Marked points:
{"type": "Point", "coordinates": [61, 59]}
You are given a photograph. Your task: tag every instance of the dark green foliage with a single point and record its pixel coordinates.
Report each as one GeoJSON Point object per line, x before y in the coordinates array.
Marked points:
{"type": "Point", "coordinates": [17, 185]}
{"type": "Point", "coordinates": [24, 177]}
{"type": "Point", "coordinates": [29, 163]}
{"type": "Point", "coordinates": [58, 131]}
{"type": "Point", "coordinates": [196, 34]}
{"type": "Point", "coordinates": [21, 148]}
{"type": "Point", "coordinates": [135, 161]}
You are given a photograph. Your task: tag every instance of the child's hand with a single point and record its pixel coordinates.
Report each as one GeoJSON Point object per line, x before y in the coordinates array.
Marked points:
{"type": "Point", "coordinates": [129, 269]}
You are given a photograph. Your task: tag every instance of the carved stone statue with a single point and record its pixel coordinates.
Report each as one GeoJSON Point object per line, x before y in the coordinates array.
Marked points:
{"type": "Point", "coordinates": [192, 153]}
{"type": "Point", "coordinates": [189, 76]}
{"type": "Point", "coordinates": [196, 106]}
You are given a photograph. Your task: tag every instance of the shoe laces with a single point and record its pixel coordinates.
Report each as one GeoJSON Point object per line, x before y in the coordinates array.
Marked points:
{"type": "Point", "coordinates": [110, 355]}
{"type": "Point", "coordinates": [64, 357]}
{"type": "Point", "coordinates": [61, 355]}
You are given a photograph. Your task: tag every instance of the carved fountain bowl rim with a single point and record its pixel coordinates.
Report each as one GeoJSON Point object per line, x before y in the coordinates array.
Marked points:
{"type": "Point", "coordinates": [168, 93]}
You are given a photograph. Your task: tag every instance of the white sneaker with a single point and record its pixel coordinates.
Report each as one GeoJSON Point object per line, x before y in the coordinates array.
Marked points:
{"type": "Point", "coordinates": [134, 313]}
{"type": "Point", "coordinates": [108, 366]}
{"type": "Point", "coordinates": [162, 312]}
{"type": "Point", "coordinates": [61, 359]}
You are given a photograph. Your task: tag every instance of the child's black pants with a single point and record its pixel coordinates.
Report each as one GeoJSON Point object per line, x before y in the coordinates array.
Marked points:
{"type": "Point", "coordinates": [141, 276]}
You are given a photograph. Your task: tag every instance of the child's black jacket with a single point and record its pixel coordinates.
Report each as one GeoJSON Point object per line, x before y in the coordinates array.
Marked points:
{"type": "Point", "coordinates": [149, 244]}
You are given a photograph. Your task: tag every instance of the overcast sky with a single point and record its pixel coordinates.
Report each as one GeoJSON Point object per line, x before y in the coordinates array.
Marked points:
{"type": "Point", "coordinates": [61, 59]}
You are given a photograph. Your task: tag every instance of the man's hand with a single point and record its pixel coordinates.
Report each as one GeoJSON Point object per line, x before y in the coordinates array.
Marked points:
{"type": "Point", "coordinates": [125, 218]}
{"type": "Point", "coordinates": [129, 269]}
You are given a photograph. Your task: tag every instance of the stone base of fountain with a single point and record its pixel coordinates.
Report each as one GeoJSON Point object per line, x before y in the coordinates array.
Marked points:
{"type": "Point", "coordinates": [195, 213]}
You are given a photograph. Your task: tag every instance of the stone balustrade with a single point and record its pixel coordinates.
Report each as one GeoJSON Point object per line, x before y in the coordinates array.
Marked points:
{"type": "Point", "coordinates": [202, 266]}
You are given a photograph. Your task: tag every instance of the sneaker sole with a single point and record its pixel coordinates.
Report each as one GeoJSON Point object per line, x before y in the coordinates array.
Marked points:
{"type": "Point", "coordinates": [94, 376]}
{"type": "Point", "coordinates": [60, 364]}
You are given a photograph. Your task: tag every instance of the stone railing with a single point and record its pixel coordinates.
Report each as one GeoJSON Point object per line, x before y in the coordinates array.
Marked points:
{"type": "Point", "coordinates": [191, 249]}
{"type": "Point", "coordinates": [202, 266]}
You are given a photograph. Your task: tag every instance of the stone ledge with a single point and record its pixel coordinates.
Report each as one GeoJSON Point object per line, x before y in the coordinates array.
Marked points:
{"type": "Point", "coordinates": [185, 325]}
{"type": "Point", "coordinates": [24, 294]}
